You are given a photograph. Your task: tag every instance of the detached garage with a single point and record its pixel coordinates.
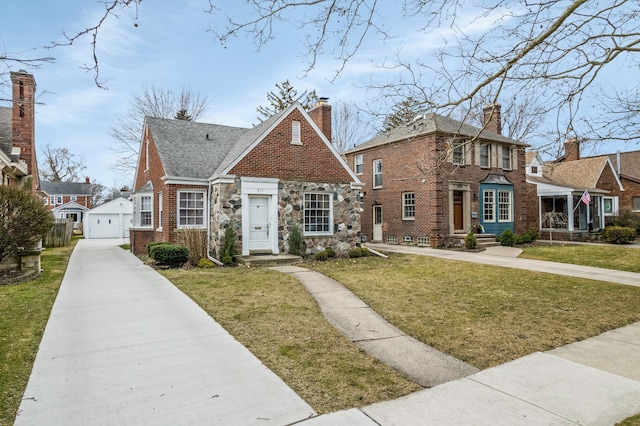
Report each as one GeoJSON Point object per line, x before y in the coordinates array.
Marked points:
{"type": "Point", "coordinates": [110, 220]}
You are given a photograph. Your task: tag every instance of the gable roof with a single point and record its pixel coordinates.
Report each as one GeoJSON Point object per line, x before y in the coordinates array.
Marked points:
{"type": "Point", "coordinates": [70, 205]}
{"type": "Point", "coordinates": [629, 163]}
{"type": "Point", "coordinates": [65, 188]}
{"type": "Point", "coordinates": [583, 173]}
{"type": "Point", "coordinates": [192, 149]}
{"type": "Point", "coordinates": [433, 123]}
{"type": "Point", "coordinates": [116, 205]}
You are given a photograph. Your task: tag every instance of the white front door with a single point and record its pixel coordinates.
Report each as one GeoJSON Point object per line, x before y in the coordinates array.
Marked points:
{"type": "Point", "coordinates": [377, 223]}
{"type": "Point", "coordinates": [259, 231]}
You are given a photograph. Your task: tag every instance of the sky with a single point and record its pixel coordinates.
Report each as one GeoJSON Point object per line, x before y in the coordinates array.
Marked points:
{"type": "Point", "coordinates": [169, 48]}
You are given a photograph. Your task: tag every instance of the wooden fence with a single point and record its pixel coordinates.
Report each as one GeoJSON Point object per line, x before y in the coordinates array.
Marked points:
{"type": "Point", "coordinates": [60, 233]}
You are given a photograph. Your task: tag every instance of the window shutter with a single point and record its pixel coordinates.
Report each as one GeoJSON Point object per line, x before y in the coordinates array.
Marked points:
{"type": "Point", "coordinates": [295, 133]}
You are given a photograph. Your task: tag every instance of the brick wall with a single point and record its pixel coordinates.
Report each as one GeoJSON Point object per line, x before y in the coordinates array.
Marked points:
{"type": "Point", "coordinates": [631, 189]}
{"type": "Point", "coordinates": [276, 157]}
{"type": "Point", "coordinates": [23, 120]}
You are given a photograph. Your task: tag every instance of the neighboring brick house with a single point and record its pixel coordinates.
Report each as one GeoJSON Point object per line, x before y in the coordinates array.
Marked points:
{"type": "Point", "coordinates": [282, 173]}
{"type": "Point", "coordinates": [627, 167]}
{"type": "Point", "coordinates": [67, 199]}
{"type": "Point", "coordinates": [435, 179]}
{"type": "Point", "coordinates": [18, 163]}
{"type": "Point", "coordinates": [560, 186]}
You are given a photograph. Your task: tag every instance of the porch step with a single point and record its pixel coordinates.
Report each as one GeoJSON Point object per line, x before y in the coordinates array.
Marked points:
{"type": "Point", "coordinates": [268, 259]}
{"type": "Point", "coordinates": [484, 240]}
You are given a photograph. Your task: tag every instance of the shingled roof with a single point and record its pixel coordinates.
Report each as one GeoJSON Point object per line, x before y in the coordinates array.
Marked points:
{"type": "Point", "coordinates": [66, 188]}
{"type": "Point", "coordinates": [582, 173]}
{"type": "Point", "coordinates": [6, 131]}
{"type": "Point", "coordinates": [433, 123]}
{"type": "Point", "coordinates": [629, 163]}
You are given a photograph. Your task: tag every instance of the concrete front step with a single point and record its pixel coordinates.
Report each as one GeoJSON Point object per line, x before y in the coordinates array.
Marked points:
{"type": "Point", "coordinates": [484, 240]}
{"type": "Point", "coordinates": [268, 259]}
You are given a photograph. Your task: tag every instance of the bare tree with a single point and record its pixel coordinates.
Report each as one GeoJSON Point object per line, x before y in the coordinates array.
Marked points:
{"type": "Point", "coordinates": [562, 50]}
{"type": "Point", "coordinates": [349, 126]}
{"type": "Point", "coordinates": [60, 165]}
{"type": "Point", "coordinates": [151, 102]}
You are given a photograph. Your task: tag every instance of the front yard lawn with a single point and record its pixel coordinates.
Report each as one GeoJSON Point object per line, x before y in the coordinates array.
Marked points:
{"type": "Point", "coordinates": [600, 256]}
{"type": "Point", "coordinates": [484, 315]}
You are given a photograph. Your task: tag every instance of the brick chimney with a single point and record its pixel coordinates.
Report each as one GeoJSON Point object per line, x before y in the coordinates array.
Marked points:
{"type": "Point", "coordinates": [87, 180]}
{"type": "Point", "coordinates": [321, 115]}
{"type": "Point", "coordinates": [23, 120]}
{"type": "Point", "coordinates": [572, 150]}
{"type": "Point", "coordinates": [493, 118]}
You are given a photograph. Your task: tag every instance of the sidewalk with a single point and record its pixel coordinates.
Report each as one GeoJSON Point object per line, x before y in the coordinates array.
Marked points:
{"type": "Point", "coordinates": [124, 346]}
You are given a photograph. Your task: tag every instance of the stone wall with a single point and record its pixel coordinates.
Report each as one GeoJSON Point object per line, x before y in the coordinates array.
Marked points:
{"type": "Point", "coordinates": [226, 207]}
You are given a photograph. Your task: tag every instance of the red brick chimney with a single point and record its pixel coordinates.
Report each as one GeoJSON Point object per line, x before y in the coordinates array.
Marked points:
{"type": "Point", "coordinates": [87, 180]}
{"type": "Point", "coordinates": [572, 150]}
{"type": "Point", "coordinates": [23, 120]}
{"type": "Point", "coordinates": [321, 115]}
{"type": "Point", "coordinates": [493, 118]}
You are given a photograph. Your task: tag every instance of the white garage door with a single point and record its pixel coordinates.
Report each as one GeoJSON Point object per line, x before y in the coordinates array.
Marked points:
{"type": "Point", "coordinates": [104, 226]}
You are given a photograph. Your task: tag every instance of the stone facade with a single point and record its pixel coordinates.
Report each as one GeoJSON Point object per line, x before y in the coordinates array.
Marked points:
{"type": "Point", "coordinates": [226, 208]}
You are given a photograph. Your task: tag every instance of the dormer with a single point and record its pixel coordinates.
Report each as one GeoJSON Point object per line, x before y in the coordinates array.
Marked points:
{"type": "Point", "coordinates": [534, 164]}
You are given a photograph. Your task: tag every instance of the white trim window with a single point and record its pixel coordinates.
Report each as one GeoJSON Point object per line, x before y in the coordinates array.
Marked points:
{"type": "Point", "coordinates": [318, 213]}
{"type": "Point", "coordinates": [457, 153]}
{"type": "Point", "coordinates": [377, 173]}
{"type": "Point", "coordinates": [506, 157]}
{"type": "Point", "coordinates": [74, 198]}
{"type": "Point", "coordinates": [145, 214]}
{"type": "Point", "coordinates": [485, 155]}
{"type": "Point", "coordinates": [295, 133]}
{"type": "Point", "coordinates": [59, 199]}
{"type": "Point", "coordinates": [505, 206]}
{"type": "Point", "coordinates": [46, 201]}
{"type": "Point", "coordinates": [52, 200]}
{"type": "Point", "coordinates": [408, 206]}
{"type": "Point", "coordinates": [190, 209]}
{"type": "Point", "coordinates": [160, 211]}
{"type": "Point", "coordinates": [488, 205]}
{"type": "Point", "coordinates": [358, 165]}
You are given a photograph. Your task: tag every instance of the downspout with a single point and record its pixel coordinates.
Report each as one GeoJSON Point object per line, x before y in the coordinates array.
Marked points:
{"type": "Point", "coordinates": [211, 258]}
{"type": "Point", "coordinates": [618, 161]}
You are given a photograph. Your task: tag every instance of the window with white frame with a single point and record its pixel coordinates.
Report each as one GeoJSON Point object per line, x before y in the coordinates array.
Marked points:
{"type": "Point", "coordinates": [377, 173]}
{"type": "Point", "coordinates": [488, 205]}
{"type": "Point", "coordinates": [146, 218]}
{"type": "Point", "coordinates": [190, 208]}
{"type": "Point", "coordinates": [485, 155]}
{"type": "Point", "coordinates": [506, 157]}
{"type": "Point", "coordinates": [318, 213]}
{"type": "Point", "coordinates": [160, 210]}
{"type": "Point", "coordinates": [358, 163]}
{"type": "Point", "coordinates": [458, 152]}
{"type": "Point", "coordinates": [505, 206]}
{"type": "Point", "coordinates": [52, 200]}
{"type": "Point", "coordinates": [45, 200]}
{"type": "Point", "coordinates": [74, 198]}
{"type": "Point", "coordinates": [408, 206]}
{"type": "Point", "coordinates": [295, 133]}
{"type": "Point", "coordinates": [59, 199]}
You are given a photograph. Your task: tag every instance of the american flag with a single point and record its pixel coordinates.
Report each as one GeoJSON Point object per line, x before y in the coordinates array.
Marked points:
{"type": "Point", "coordinates": [586, 198]}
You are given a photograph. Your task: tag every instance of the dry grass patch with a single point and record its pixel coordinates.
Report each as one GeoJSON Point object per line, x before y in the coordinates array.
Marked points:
{"type": "Point", "coordinates": [484, 315]}
{"type": "Point", "coordinates": [274, 316]}
{"type": "Point", "coordinates": [600, 256]}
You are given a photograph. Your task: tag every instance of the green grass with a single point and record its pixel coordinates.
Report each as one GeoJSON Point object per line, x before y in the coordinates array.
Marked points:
{"type": "Point", "coordinates": [600, 256]}
{"type": "Point", "coordinates": [274, 316]}
{"type": "Point", "coordinates": [25, 310]}
{"type": "Point", "coordinates": [631, 421]}
{"type": "Point", "coordinates": [484, 315]}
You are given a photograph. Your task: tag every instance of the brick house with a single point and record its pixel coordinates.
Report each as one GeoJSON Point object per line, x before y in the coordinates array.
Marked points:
{"type": "Point", "coordinates": [284, 172]}
{"type": "Point", "coordinates": [627, 167]}
{"type": "Point", "coordinates": [18, 162]}
{"type": "Point", "coordinates": [67, 199]}
{"type": "Point", "coordinates": [560, 186]}
{"type": "Point", "coordinates": [435, 179]}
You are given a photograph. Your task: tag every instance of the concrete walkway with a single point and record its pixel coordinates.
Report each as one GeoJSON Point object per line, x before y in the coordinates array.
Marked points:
{"type": "Point", "coordinates": [123, 346]}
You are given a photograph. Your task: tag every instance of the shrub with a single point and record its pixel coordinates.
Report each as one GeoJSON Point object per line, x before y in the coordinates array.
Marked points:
{"type": "Point", "coordinates": [205, 263]}
{"type": "Point", "coordinates": [228, 249]}
{"type": "Point", "coordinates": [364, 252]}
{"type": "Point", "coordinates": [195, 239]}
{"type": "Point", "coordinates": [321, 255]}
{"type": "Point", "coordinates": [152, 245]}
{"type": "Point", "coordinates": [625, 218]}
{"type": "Point", "coordinates": [330, 252]}
{"type": "Point", "coordinates": [25, 220]}
{"type": "Point", "coordinates": [295, 241]}
{"type": "Point", "coordinates": [354, 252]}
{"type": "Point", "coordinates": [172, 255]}
{"type": "Point", "coordinates": [507, 238]}
{"type": "Point", "coordinates": [619, 234]}
{"type": "Point", "coordinates": [470, 241]}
